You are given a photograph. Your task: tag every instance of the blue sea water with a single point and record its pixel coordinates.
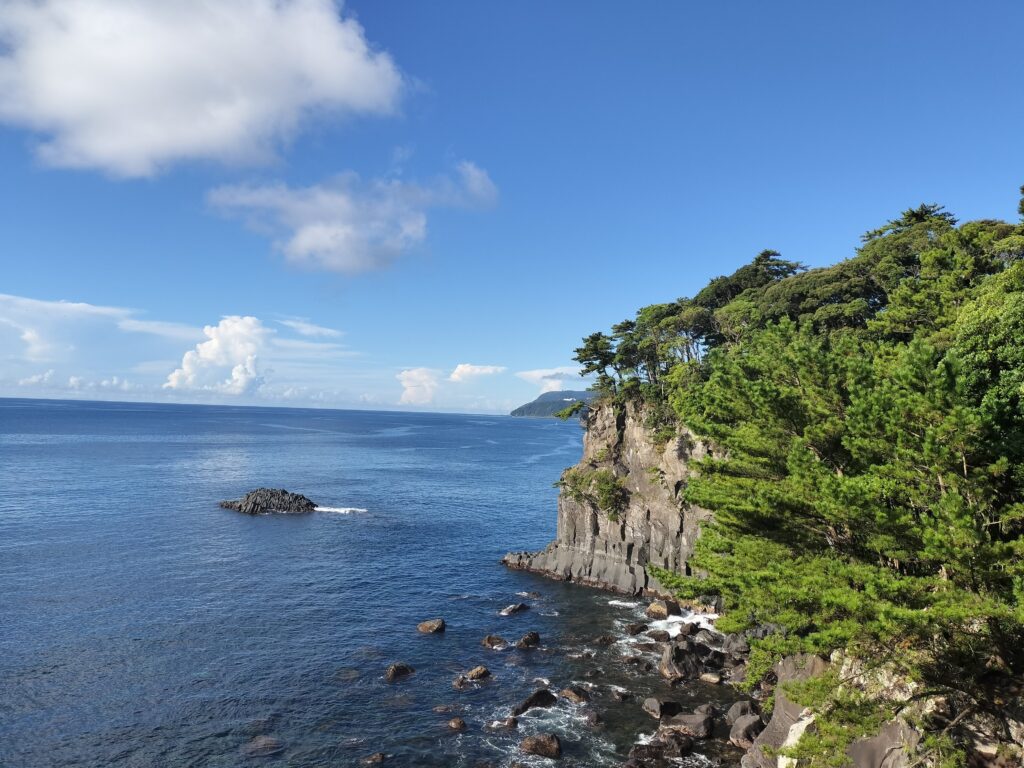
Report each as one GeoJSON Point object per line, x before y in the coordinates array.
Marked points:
{"type": "Point", "coordinates": [141, 625]}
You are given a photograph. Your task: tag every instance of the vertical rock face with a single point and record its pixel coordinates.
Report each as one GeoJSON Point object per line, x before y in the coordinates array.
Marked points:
{"type": "Point", "coordinates": [654, 526]}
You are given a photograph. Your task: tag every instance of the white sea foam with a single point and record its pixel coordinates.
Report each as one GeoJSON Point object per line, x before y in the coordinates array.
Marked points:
{"type": "Point", "coordinates": [623, 604]}
{"type": "Point", "coordinates": [341, 510]}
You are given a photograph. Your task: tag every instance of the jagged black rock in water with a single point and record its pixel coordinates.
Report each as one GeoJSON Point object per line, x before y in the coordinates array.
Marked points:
{"type": "Point", "coordinates": [264, 501]}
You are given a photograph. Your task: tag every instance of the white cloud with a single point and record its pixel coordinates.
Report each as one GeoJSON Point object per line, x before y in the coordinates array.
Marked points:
{"type": "Point", "coordinates": [348, 225]}
{"type": "Point", "coordinates": [549, 379]}
{"type": "Point", "coordinates": [129, 86]}
{"type": "Point", "coordinates": [227, 361]}
{"type": "Point", "coordinates": [306, 328]}
{"type": "Point", "coordinates": [466, 371]}
{"type": "Point", "coordinates": [173, 331]}
{"type": "Point", "coordinates": [418, 386]}
{"type": "Point", "coordinates": [39, 378]}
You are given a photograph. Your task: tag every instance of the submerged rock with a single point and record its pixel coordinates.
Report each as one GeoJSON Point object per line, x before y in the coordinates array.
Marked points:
{"type": "Point", "coordinates": [457, 724]}
{"type": "Point", "coordinates": [511, 610]}
{"type": "Point", "coordinates": [265, 501]}
{"type": "Point", "coordinates": [375, 759]}
{"type": "Point", "coordinates": [577, 694]}
{"type": "Point", "coordinates": [397, 671]}
{"type": "Point", "coordinates": [494, 642]}
{"type": "Point", "coordinates": [263, 746]}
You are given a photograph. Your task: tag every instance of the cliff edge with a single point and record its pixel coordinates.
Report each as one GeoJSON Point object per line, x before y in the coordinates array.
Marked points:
{"type": "Point", "coordinates": [609, 544]}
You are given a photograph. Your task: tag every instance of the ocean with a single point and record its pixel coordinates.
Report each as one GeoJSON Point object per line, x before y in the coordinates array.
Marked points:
{"type": "Point", "coordinates": [142, 625]}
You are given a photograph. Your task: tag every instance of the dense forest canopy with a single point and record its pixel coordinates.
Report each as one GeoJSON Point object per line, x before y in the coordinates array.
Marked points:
{"type": "Point", "coordinates": [867, 477]}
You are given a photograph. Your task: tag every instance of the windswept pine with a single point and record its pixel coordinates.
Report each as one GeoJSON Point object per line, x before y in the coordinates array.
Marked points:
{"type": "Point", "coordinates": [866, 476]}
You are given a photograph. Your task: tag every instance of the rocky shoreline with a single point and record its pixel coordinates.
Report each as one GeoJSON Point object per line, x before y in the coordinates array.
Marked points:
{"type": "Point", "coordinates": [678, 646]}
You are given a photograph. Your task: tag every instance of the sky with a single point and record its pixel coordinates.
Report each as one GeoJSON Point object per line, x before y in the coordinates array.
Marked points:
{"type": "Point", "coordinates": [392, 204]}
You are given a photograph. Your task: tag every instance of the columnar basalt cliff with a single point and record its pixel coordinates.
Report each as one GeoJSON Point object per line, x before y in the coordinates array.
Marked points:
{"type": "Point", "coordinates": [650, 525]}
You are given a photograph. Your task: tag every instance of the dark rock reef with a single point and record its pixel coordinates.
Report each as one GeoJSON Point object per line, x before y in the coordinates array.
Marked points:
{"type": "Point", "coordinates": [265, 501]}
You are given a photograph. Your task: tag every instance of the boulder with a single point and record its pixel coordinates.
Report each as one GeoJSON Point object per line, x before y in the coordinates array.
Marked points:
{"type": "Point", "coordinates": [736, 645]}
{"type": "Point", "coordinates": [544, 745]}
{"type": "Point", "coordinates": [494, 642]}
{"type": "Point", "coordinates": [786, 714]}
{"type": "Point", "coordinates": [397, 671]}
{"type": "Point", "coordinates": [677, 744]}
{"type": "Point", "coordinates": [542, 697]}
{"type": "Point", "coordinates": [659, 708]}
{"type": "Point", "coordinates": [662, 609]}
{"type": "Point", "coordinates": [264, 501]}
{"type": "Point", "coordinates": [605, 640]}
{"type": "Point", "coordinates": [460, 683]}
{"type": "Point", "coordinates": [745, 729]}
{"type": "Point", "coordinates": [679, 662]}
{"type": "Point", "coordinates": [712, 678]}
{"type": "Point", "coordinates": [577, 694]}
{"type": "Point", "coordinates": [697, 725]}
{"type": "Point", "coordinates": [659, 635]}
{"type": "Point", "coordinates": [738, 710]}
{"type": "Point", "coordinates": [687, 629]}
{"type": "Point", "coordinates": [478, 673]}
{"type": "Point", "coordinates": [651, 752]}
{"type": "Point", "coordinates": [706, 637]}
{"type": "Point", "coordinates": [457, 724]}
{"type": "Point", "coordinates": [635, 628]}
{"type": "Point", "coordinates": [891, 747]}
{"type": "Point", "coordinates": [529, 640]}
{"type": "Point", "coordinates": [511, 610]}
{"type": "Point", "coordinates": [431, 626]}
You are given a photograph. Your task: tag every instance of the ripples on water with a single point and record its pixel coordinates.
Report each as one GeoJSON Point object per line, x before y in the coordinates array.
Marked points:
{"type": "Point", "coordinates": [144, 626]}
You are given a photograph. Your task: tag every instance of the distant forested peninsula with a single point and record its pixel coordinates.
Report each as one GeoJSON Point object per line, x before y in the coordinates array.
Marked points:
{"type": "Point", "coordinates": [550, 404]}
{"type": "Point", "coordinates": [866, 476]}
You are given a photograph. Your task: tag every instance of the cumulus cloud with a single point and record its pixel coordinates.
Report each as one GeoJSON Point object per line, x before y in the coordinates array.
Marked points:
{"type": "Point", "coordinates": [227, 361]}
{"type": "Point", "coordinates": [130, 86]}
{"type": "Point", "coordinates": [549, 379]}
{"type": "Point", "coordinates": [418, 386]}
{"type": "Point", "coordinates": [348, 224]}
{"type": "Point", "coordinates": [38, 379]}
{"type": "Point", "coordinates": [303, 327]}
{"type": "Point", "coordinates": [466, 371]}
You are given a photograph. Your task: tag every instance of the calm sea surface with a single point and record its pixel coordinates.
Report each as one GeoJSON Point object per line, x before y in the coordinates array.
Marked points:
{"type": "Point", "coordinates": [141, 625]}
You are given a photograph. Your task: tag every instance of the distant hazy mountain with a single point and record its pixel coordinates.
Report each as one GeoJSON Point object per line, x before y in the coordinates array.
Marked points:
{"type": "Point", "coordinates": [550, 403]}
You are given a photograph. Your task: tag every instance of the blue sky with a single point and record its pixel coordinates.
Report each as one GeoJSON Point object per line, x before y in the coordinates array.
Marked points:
{"type": "Point", "coordinates": [353, 201]}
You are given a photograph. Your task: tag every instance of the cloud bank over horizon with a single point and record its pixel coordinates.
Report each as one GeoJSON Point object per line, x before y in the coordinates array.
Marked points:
{"type": "Point", "coordinates": [130, 87]}
{"type": "Point", "coordinates": [78, 349]}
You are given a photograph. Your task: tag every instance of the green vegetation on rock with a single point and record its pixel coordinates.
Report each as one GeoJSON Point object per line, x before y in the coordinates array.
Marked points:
{"type": "Point", "coordinates": [867, 481]}
{"type": "Point", "coordinates": [599, 487]}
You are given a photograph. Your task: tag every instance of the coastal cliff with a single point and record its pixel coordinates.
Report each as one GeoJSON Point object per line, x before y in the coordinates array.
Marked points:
{"type": "Point", "coordinates": [610, 545]}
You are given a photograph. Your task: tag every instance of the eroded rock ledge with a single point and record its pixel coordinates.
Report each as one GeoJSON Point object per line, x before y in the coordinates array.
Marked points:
{"type": "Point", "coordinates": [655, 527]}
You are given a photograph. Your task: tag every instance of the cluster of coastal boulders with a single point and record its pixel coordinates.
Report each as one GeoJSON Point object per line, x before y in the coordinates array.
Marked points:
{"type": "Point", "coordinates": [688, 655]}
{"type": "Point", "coordinates": [265, 501]}
{"type": "Point", "coordinates": [544, 744]}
